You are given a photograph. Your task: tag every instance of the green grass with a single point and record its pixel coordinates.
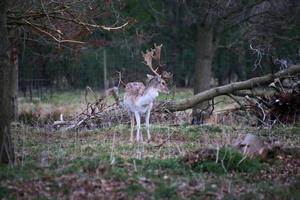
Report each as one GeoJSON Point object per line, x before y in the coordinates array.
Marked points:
{"type": "Point", "coordinates": [164, 191]}
{"type": "Point", "coordinates": [229, 160]}
{"type": "Point", "coordinates": [21, 171]}
{"type": "Point", "coordinates": [292, 192]}
{"type": "Point", "coordinates": [61, 163]}
{"type": "Point", "coordinates": [61, 97]}
{"type": "Point", "coordinates": [78, 96]}
{"type": "Point", "coordinates": [149, 172]}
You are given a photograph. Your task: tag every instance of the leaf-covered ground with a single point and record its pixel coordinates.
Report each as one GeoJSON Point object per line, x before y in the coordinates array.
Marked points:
{"type": "Point", "coordinates": [102, 164]}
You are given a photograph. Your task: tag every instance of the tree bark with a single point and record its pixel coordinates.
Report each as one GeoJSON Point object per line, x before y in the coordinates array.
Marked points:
{"type": "Point", "coordinates": [14, 83]}
{"type": "Point", "coordinates": [191, 102]}
{"type": "Point", "coordinates": [105, 81]}
{"type": "Point", "coordinates": [204, 55]}
{"type": "Point", "coordinates": [173, 26]}
{"type": "Point", "coordinates": [6, 146]}
{"type": "Point", "coordinates": [205, 49]}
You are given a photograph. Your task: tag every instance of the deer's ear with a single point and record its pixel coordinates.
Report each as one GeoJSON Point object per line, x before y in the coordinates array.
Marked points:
{"type": "Point", "coordinates": [149, 77]}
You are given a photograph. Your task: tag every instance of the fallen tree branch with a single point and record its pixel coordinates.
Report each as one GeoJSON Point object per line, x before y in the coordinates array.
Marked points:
{"type": "Point", "coordinates": [164, 141]}
{"type": "Point", "coordinates": [255, 92]}
{"type": "Point", "coordinates": [192, 101]}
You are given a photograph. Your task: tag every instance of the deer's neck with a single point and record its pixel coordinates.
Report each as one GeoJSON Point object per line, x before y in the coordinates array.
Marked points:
{"type": "Point", "coordinates": [148, 97]}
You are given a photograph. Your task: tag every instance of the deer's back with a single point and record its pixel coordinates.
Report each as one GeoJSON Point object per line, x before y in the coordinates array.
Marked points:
{"type": "Point", "coordinates": [134, 89]}
{"type": "Point", "coordinates": [133, 92]}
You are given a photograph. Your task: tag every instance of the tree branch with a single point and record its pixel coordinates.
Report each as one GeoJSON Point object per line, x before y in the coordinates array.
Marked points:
{"type": "Point", "coordinates": [56, 15]}
{"type": "Point", "coordinates": [50, 35]}
{"type": "Point", "coordinates": [192, 101]}
{"type": "Point", "coordinates": [238, 10]}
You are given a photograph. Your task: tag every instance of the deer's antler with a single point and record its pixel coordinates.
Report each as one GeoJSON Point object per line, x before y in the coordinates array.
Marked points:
{"type": "Point", "coordinates": [152, 59]}
{"type": "Point", "coordinates": [167, 75]}
{"type": "Point", "coordinates": [156, 56]}
{"type": "Point", "coordinates": [148, 58]}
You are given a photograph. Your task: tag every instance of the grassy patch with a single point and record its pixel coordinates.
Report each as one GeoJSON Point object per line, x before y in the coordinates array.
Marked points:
{"type": "Point", "coordinates": [63, 163]}
{"type": "Point", "coordinates": [94, 160]}
{"type": "Point", "coordinates": [165, 166]}
{"type": "Point", "coordinates": [227, 160]}
{"type": "Point", "coordinates": [283, 193]}
{"type": "Point", "coordinates": [198, 129]}
{"type": "Point", "coordinates": [164, 191]}
{"type": "Point", "coordinates": [6, 193]}
{"type": "Point", "coordinates": [28, 170]}
{"type": "Point", "coordinates": [134, 189]}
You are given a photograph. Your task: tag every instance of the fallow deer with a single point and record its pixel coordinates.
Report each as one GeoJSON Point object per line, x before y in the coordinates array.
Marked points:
{"type": "Point", "coordinates": [139, 98]}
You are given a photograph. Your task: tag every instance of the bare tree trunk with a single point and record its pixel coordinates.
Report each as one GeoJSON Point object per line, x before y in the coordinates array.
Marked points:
{"type": "Point", "coordinates": [192, 101]}
{"type": "Point", "coordinates": [6, 146]}
{"type": "Point", "coordinates": [105, 81]}
{"type": "Point", "coordinates": [241, 69]}
{"type": "Point", "coordinates": [14, 83]}
{"type": "Point", "coordinates": [205, 49]}
{"type": "Point", "coordinates": [173, 23]}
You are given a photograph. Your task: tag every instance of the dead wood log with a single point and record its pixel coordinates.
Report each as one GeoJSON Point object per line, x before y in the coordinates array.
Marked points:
{"type": "Point", "coordinates": [255, 92]}
{"type": "Point", "coordinates": [192, 101]}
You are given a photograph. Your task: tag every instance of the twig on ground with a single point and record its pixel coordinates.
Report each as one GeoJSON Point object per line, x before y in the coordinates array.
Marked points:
{"type": "Point", "coordinates": [164, 141]}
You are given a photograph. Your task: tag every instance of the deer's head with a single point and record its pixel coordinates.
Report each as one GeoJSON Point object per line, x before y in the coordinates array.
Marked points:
{"type": "Point", "coordinates": [157, 83]}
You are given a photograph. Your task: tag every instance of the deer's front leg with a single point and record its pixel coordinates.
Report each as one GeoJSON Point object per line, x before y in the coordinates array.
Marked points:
{"type": "Point", "coordinates": [147, 119]}
{"type": "Point", "coordinates": [132, 127]}
{"type": "Point", "coordinates": [138, 126]}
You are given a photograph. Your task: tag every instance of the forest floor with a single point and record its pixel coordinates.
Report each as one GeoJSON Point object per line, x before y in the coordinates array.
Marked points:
{"type": "Point", "coordinates": [102, 164]}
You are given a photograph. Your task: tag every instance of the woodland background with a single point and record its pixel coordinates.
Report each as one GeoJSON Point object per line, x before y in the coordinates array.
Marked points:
{"type": "Point", "coordinates": [228, 130]}
{"type": "Point", "coordinates": [238, 39]}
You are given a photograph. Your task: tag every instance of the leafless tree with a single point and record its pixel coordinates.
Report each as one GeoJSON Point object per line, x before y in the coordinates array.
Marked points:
{"type": "Point", "coordinates": [62, 22]}
{"type": "Point", "coordinates": [213, 18]}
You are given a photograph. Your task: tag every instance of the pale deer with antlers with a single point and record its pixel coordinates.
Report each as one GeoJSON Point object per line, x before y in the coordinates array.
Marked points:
{"type": "Point", "coordinates": [139, 98]}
